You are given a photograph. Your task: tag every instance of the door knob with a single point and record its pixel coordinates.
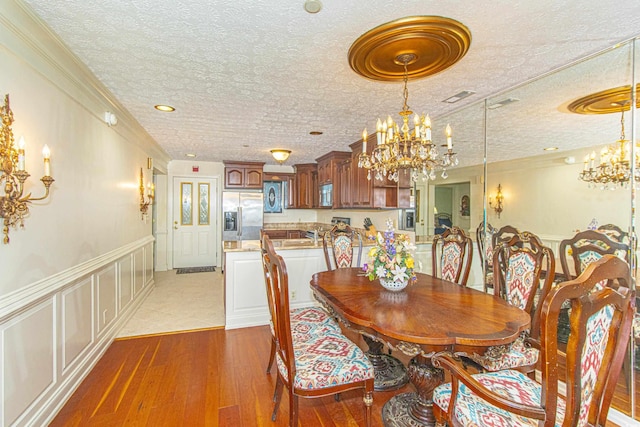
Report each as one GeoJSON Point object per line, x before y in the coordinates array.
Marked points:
{"type": "Point", "coordinates": [175, 226]}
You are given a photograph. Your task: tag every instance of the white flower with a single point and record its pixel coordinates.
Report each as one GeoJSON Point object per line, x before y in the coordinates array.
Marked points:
{"type": "Point", "coordinates": [399, 273]}
{"type": "Point", "coordinates": [381, 271]}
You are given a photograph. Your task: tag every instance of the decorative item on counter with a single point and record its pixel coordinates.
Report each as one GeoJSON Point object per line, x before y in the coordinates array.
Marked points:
{"type": "Point", "coordinates": [371, 229]}
{"type": "Point", "coordinates": [390, 260]}
{"type": "Point", "coordinates": [593, 225]}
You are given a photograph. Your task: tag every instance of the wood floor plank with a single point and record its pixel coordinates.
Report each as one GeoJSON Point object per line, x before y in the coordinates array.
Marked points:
{"type": "Point", "coordinates": [202, 378]}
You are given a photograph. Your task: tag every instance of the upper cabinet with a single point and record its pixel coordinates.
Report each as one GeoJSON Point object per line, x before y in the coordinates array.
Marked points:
{"type": "Point", "coordinates": [289, 187]}
{"type": "Point", "coordinates": [328, 166]}
{"type": "Point", "coordinates": [243, 175]}
{"type": "Point", "coordinates": [306, 186]}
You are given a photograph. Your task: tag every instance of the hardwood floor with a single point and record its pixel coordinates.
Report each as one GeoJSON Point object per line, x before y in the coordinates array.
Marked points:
{"type": "Point", "coordinates": [202, 378]}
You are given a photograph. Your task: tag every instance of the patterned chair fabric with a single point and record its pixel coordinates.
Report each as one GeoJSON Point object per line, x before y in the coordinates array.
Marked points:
{"type": "Point", "coordinates": [601, 321]}
{"type": "Point", "coordinates": [522, 258]}
{"type": "Point", "coordinates": [451, 260]}
{"type": "Point", "coordinates": [452, 252]}
{"type": "Point", "coordinates": [343, 251]}
{"type": "Point", "coordinates": [338, 243]}
{"type": "Point", "coordinates": [340, 362]}
{"type": "Point", "coordinates": [472, 411]}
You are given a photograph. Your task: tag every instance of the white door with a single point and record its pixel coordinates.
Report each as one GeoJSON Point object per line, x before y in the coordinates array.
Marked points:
{"type": "Point", "coordinates": [194, 221]}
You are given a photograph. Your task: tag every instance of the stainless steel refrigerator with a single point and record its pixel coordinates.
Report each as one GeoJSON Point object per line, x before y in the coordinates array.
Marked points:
{"type": "Point", "coordinates": [242, 215]}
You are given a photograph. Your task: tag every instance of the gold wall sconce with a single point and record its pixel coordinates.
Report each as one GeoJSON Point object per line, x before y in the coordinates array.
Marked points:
{"type": "Point", "coordinates": [145, 202]}
{"type": "Point", "coordinates": [497, 204]}
{"type": "Point", "coordinates": [14, 204]}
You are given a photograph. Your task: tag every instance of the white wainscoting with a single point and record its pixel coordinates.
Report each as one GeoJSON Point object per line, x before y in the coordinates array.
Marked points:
{"type": "Point", "coordinates": [54, 331]}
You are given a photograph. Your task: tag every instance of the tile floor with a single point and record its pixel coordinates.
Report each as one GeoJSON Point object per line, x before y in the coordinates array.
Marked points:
{"type": "Point", "coordinates": [179, 302]}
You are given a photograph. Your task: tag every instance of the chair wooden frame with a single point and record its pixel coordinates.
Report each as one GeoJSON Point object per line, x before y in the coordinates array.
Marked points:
{"type": "Point", "coordinates": [526, 243]}
{"type": "Point", "coordinates": [278, 291]}
{"type": "Point", "coordinates": [485, 250]}
{"type": "Point", "coordinates": [589, 240]}
{"type": "Point", "coordinates": [462, 243]}
{"type": "Point", "coordinates": [614, 232]}
{"type": "Point", "coordinates": [341, 230]}
{"type": "Point", "coordinates": [586, 300]}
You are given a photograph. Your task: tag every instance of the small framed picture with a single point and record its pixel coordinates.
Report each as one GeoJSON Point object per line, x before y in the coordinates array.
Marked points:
{"type": "Point", "coordinates": [464, 205]}
{"type": "Point", "coordinates": [272, 191]}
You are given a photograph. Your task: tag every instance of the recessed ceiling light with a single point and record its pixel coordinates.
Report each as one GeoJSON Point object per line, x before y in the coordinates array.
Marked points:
{"type": "Point", "coordinates": [315, 132]}
{"type": "Point", "coordinates": [551, 149]}
{"type": "Point", "coordinates": [164, 108]}
{"type": "Point", "coordinates": [458, 96]}
{"type": "Point", "coordinates": [312, 6]}
{"type": "Point", "coordinates": [190, 155]}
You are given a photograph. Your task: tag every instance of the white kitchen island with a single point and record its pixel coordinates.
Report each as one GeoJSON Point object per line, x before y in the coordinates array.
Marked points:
{"type": "Point", "coordinates": [245, 292]}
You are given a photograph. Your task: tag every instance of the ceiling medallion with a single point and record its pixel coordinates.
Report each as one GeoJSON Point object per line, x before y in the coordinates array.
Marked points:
{"type": "Point", "coordinates": [605, 102]}
{"type": "Point", "coordinates": [436, 43]}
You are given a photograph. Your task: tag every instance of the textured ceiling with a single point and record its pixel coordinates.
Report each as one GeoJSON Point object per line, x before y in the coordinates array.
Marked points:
{"type": "Point", "coordinates": [246, 76]}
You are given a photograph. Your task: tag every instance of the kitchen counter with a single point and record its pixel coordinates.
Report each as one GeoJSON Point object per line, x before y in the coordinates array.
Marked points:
{"type": "Point", "coordinates": [254, 245]}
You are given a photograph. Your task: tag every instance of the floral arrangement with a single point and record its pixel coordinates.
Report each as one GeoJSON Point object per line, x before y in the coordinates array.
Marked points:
{"type": "Point", "coordinates": [390, 259]}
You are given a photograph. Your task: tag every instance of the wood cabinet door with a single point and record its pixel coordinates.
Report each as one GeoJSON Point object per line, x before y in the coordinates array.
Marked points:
{"type": "Point", "coordinates": [253, 178]}
{"type": "Point", "coordinates": [233, 177]}
{"type": "Point", "coordinates": [344, 190]}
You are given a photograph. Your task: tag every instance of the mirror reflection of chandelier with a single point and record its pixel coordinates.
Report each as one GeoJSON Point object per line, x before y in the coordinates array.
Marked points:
{"type": "Point", "coordinates": [614, 167]}
{"type": "Point", "coordinates": [399, 147]}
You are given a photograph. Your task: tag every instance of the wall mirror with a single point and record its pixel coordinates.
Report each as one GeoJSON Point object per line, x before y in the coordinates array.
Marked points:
{"type": "Point", "coordinates": [541, 190]}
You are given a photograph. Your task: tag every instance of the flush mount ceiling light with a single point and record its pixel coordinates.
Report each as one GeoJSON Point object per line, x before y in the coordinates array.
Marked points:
{"type": "Point", "coordinates": [315, 132]}
{"type": "Point", "coordinates": [550, 148]}
{"type": "Point", "coordinates": [164, 108]}
{"type": "Point", "coordinates": [280, 155]}
{"type": "Point", "coordinates": [190, 155]}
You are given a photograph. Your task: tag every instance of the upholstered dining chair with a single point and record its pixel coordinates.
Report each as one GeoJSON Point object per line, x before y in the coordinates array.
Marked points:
{"type": "Point", "coordinates": [600, 326]}
{"type": "Point", "coordinates": [518, 264]}
{"type": "Point", "coordinates": [585, 247]}
{"type": "Point", "coordinates": [305, 321]}
{"type": "Point", "coordinates": [314, 365]}
{"type": "Point", "coordinates": [452, 252]}
{"type": "Point", "coordinates": [614, 233]}
{"type": "Point", "coordinates": [484, 240]}
{"type": "Point", "coordinates": [338, 245]}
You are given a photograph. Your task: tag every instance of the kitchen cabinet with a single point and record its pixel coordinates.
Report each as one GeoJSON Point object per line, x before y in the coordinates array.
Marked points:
{"type": "Point", "coordinates": [329, 178]}
{"type": "Point", "coordinates": [328, 166]}
{"type": "Point", "coordinates": [243, 175]}
{"type": "Point", "coordinates": [344, 185]}
{"type": "Point", "coordinates": [306, 186]}
{"type": "Point", "coordinates": [288, 186]}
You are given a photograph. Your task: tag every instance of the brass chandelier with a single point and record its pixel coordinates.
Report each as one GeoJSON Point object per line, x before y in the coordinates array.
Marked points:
{"type": "Point", "coordinates": [614, 168]}
{"type": "Point", "coordinates": [399, 147]}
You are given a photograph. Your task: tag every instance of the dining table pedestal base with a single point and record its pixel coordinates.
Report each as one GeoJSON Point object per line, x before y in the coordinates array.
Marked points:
{"type": "Point", "coordinates": [389, 372]}
{"type": "Point", "coordinates": [415, 409]}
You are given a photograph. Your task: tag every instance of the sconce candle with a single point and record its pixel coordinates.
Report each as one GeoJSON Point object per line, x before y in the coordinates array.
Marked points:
{"type": "Point", "coordinates": [448, 132]}
{"type": "Point", "coordinates": [47, 164]}
{"type": "Point", "coordinates": [21, 159]}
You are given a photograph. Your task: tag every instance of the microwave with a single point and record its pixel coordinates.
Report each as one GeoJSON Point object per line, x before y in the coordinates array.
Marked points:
{"type": "Point", "coordinates": [326, 195]}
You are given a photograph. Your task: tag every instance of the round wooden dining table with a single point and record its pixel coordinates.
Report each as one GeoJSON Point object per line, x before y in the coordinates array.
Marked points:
{"type": "Point", "coordinates": [429, 316]}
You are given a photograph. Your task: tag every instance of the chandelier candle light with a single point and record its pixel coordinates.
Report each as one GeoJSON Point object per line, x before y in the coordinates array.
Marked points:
{"type": "Point", "coordinates": [14, 204]}
{"type": "Point", "coordinates": [399, 147]}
